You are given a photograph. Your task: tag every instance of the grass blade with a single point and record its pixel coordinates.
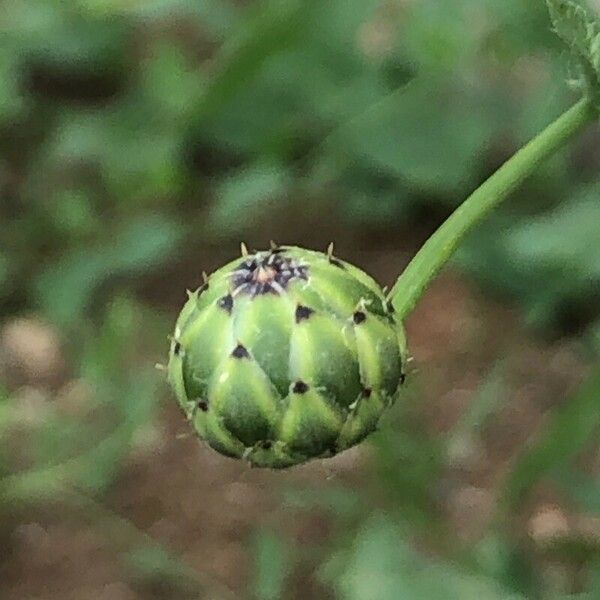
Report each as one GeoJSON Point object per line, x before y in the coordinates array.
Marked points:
{"type": "Point", "coordinates": [569, 429]}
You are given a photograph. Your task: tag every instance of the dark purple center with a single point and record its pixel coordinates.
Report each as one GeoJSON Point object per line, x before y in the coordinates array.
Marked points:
{"type": "Point", "coordinates": [266, 274]}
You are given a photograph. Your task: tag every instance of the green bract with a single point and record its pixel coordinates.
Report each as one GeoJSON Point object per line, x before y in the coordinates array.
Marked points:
{"type": "Point", "coordinates": [286, 355]}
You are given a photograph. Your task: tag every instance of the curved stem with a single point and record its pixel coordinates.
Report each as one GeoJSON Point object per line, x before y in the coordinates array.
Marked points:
{"type": "Point", "coordinates": [441, 245]}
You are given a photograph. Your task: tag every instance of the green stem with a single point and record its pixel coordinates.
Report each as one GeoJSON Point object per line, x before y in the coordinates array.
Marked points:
{"type": "Point", "coordinates": [441, 245]}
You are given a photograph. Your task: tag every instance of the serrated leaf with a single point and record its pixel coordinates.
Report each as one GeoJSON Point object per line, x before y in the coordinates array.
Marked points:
{"type": "Point", "coordinates": [580, 30]}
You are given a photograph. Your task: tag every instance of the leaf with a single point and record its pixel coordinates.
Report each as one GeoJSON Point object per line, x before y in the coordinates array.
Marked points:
{"type": "Point", "coordinates": [580, 30]}
{"type": "Point", "coordinates": [216, 15]}
{"type": "Point", "coordinates": [434, 35]}
{"type": "Point", "coordinates": [441, 245]}
{"type": "Point", "coordinates": [153, 565]}
{"type": "Point", "coordinates": [550, 262]}
{"type": "Point", "coordinates": [277, 111]}
{"type": "Point", "coordinates": [568, 430]}
{"type": "Point", "coordinates": [382, 565]}
{"type": "Point", "coordinates": [11, 98]}
{"type": "Point", "coordinates": [486, 403]}
{"type": "Point", "coordinates": [510, 564]}
{"type": "Point", "coordinates": [583, 489]}
{"type": "Point", "coordinates": [61, 39]}
{"type": "Point", "coordinates": [271, 566]}
{"type": "Point", "coordinates": [243, 197]}
{"type": "Point", "coordinates": [65, 288]}
{"type": "Point", "coordinates": [271, 29]}
{"type": "Point", "coordinates": [429, 133]}
{"type": "Point", "coordinates": [96, 469]}
{"type": "Point", "coordinates": [542, 240]}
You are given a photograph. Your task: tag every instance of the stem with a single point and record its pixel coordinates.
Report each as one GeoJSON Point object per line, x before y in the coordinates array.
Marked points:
{"type": "Point", "coordinates": [438, 249]}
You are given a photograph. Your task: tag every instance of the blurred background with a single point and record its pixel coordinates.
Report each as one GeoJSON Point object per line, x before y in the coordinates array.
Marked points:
{"type": "Point", "coordinates": [140, 142]}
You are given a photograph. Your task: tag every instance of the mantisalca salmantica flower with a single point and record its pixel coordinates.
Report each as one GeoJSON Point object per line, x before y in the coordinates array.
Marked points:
{"type": "Point", "coordinates": [286, 355]}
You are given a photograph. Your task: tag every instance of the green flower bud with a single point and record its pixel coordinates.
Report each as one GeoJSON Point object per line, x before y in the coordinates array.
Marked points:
{"type": "Point", "coordinates": [286, 355]}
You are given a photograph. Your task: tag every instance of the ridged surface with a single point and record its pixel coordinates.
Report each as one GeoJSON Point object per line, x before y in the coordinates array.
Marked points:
{"type": "Point", "coordinates": [300, 371]}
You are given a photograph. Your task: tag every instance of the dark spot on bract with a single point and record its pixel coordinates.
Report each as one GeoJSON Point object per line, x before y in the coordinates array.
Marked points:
{"type": "Point", "coordinates": [390, 308]}
{"type": "Point", "coordinates": [359, 317]}
{"type": "Point", "coordinates": [303, 312]}
{"type": "Point", "coordinates": [402, 378]}
{"type": "Point", "coordinates": [240, 352]}
{"type": "Point", "coordinates": [203, 405]}
{"type": "Point", "coordinates": [366, 393]}
{"type": "Point", "coordinates": [300, 387]}
{"type": "Point", "coordinates": [176, 348]}
{"type": "Point", "coordinates": [336, 263]}
{"type": "Point", "coordinates": [265, 444]}
{"type": "Point", "coordinates": [226, 303]}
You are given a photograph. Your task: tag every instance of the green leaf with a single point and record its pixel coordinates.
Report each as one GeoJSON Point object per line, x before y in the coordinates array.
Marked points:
{"type": "Point", "coordinates": [271, 29]}
{"type": "Point", "coordinates": [583, 489]}
{"type": "Point", "coordinates": [61, 39]}
{"type": "Point", "coordinates": [568, 430]}
{"type": "Point", "coordinates": [429, 134]}
{"type": "Point", "coordinates": [434, 35]}
{"type": "Point", "coordinates": [382, 565]}
{"type": "Point", "coordinates": [154, 565]}
{"type": "Point", "coordinates": [550, 263]}
{"type": "Point", "coordinates": [579, 28]}
{"type": "Point", "coordinates": [271, 566]}
{"type": "Point", "coordinates": [65, 288]}
{"type": "Point", "coordinates": [12, 101]}
{"type": "Point", "coordinates": [440, 247]}
{"type": "Point", "coordinates": [243, 197]}
{"type": "Point", "coordinates": [98, 467]}
{"type": "Point", "coordinates": [485, 404]}
{"type": "Point", "coordinates": [6, 273]}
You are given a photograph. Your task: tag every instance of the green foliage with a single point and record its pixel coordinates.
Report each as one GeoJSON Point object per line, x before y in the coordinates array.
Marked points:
{"type": "Point", "coordinates": [553, 279]}
{"type": "Point", "coordinates": [67, 448]}
{"type": "Point", "coordinates": [571, 427]}
{"type": "Point", "coordinates": [440, 247]}
{"type": "Point", "coordinates": [136, 137]}
{"type": "Point", "coordinates": [99, 132]}
{"type": "Point", "coordinates": [568, 272]}
{"type": "Point", "coordinates": [411, 135]}
{"type": "Point", "coordinates": [128, 143]}
{"type": "Point", "coordinates": [579, 28]}
{"type": "Point", "coordinates": [271, 566]}
{"type": "Point", "coordinates": [382, 565]}
{"type": "Point", "coordinates": [66, 287]}
{"type": "Point", "coordinates": [256, 188]}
